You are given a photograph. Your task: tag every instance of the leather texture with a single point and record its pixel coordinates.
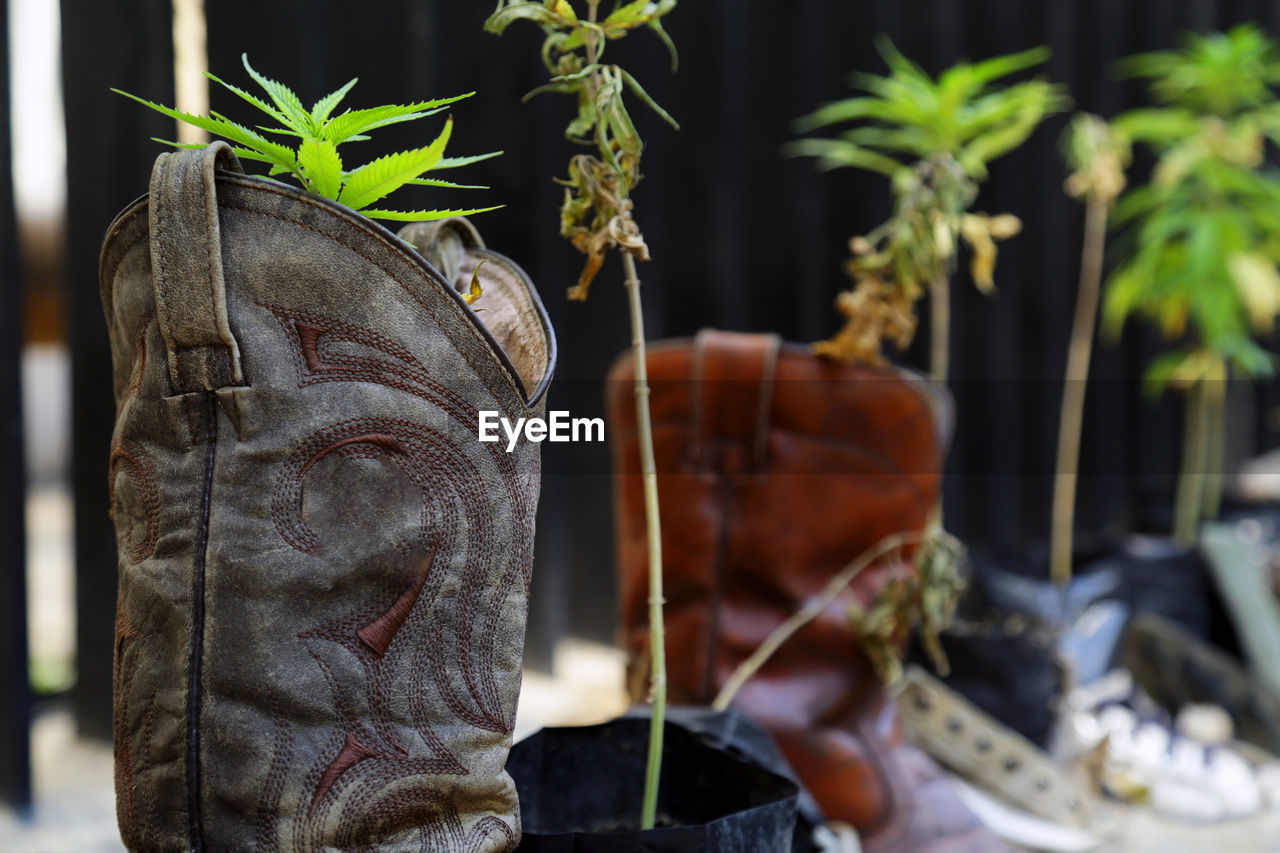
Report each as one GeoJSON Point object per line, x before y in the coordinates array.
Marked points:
{"type": "Point", "coordinates": [323, 574]}
{"type": "Point", "coordinates": [775, 470]}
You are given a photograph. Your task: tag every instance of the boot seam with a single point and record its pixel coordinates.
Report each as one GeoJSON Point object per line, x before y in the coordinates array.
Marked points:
{"type": "Point", "coordinates": [196, 651]}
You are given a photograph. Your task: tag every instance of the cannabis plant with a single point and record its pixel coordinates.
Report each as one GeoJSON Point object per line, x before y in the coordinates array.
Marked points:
{"type": "Point", "coordinates": [933, 139]}
{"type": "Point", "coordinates": [313, 135]}
{"type": "Point", "coordinates": [597, 216]}
{"type": "Point", "coordinates": [1097, 155]}
{"type": "Point", "coordinates": [1204, 237]}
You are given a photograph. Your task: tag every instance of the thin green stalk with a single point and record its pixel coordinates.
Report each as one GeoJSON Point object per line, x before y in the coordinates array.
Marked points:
{"type": "Point", "coordinates": [940, 328]}
{"type": "Point", "coordinates": [1073, 391]}
{"type": "Point", "coordinates": [653, 524]}
{"type": "Point", "coordinates": [1216, 449]}
{"type": "Point", "coordinates": [1191, 477]}
{"type": "Point", "coordinates": [653, 521]}
{"type": "Point", "coordinates": [811, 610]}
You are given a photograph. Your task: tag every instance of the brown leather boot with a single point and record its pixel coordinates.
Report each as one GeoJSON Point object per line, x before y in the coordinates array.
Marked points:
{"type": "Point", "coordinates": [323, 573]}
{"type": "Point", "coordinates": [776, 469]}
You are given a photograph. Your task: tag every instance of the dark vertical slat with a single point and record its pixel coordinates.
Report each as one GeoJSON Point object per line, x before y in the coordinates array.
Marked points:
{"type": "Point", "coordinates": [1052, 236]}
{"type": "Point", "coordinates": [15, 691]}
{"type": "Point", "coordinates": [726, 227]}
{"type": "Point", "coordinates": [109, 157]}
{"type": "Point", "coordinates": [811, 42]}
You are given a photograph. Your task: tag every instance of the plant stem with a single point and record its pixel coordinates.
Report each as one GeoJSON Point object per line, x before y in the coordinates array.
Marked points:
{"type": "Point", "coordinates": [653, 524]}
{"type": "Point", "coordinates": [1071, 416]}
{"type": "Point", "coordinates": [1215, 447]}
{"type": "Point", "coordinates": [1191, 477]}
{"type": "Point", "coordinates": [589, 41]}
{"type": "Point", "coordinates": [809, 612]}
{"type": "Point", "coordinates": [940, 328]}
{"type": "Point", "coordinates": [649, 479]}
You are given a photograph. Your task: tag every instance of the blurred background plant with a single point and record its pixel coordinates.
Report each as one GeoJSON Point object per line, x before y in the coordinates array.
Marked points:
{"type": "Point", "coordinates": [933, 139]}
{"type": "Point", "coordinates": [1203, 237]}
{"type": "Point", "coordinates": [596, 217]}
{"type": "Point", "coordinates": [1097, 155]}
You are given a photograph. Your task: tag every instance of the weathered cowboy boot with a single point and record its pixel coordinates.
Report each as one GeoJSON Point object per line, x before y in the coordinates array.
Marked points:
{"type": "Point", "coordinates": [776, 469]}
{"type": "Point", "coordinates": [323, 574]}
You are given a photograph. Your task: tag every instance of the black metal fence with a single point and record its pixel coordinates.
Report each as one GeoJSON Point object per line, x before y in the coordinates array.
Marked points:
{"type": "Point", "coordinates": [742, 239]}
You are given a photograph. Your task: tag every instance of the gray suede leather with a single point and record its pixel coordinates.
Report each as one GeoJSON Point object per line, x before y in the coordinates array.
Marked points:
{"type": "Point", "coordinates": [323, 574]}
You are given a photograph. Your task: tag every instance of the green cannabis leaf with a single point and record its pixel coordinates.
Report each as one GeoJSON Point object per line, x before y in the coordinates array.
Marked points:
{"type": "Point", "coordinates": [596, 214]}
{"type": "Point", "coordinates": [933, 138]}
{"type": "Point", "coordinates": [316, 163]}
{"type": "Point", "coordinates": [1203, 234]}
{"type": "Point", "coordinates": [1202, 238]}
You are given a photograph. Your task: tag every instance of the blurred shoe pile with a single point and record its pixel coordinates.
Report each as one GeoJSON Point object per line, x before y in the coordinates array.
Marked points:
{"type": "Point", "coordinates": [1135, 709]}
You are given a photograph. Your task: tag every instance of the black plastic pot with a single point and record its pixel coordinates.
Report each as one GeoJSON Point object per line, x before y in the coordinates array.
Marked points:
{"type": "Point", "coordinates": [1015, 627]}
{"type": "Point", "coordinates": [580, 790]}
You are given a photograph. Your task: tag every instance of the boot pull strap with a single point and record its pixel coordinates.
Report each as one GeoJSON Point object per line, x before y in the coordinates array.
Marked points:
{"type": "Point", "coordinates": [186, 267]}
{"type": "Point", "coordinates": [732, 395]}
{"type": "Point", "coordinates": [444, 243]}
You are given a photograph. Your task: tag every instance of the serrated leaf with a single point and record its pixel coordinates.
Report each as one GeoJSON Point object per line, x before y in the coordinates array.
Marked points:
{"type": "Point", "coordinates": [279, 131]}
{"type": "Point", "coordinates": [321, 166]}
{"type": "Point", "coordinates": [215, 124]}
{"type": "Point", "coordinates": [188, 146]}
{"type": "Point", "coordinates": [241, 153]}
{"type": "Point", "coordinates": [424, 215]}
{"type": "Point", "coordinates": [343, 127]}
{"type": "Point", "coordinates": [380, 177]}
{"type": "Point", "coordinates": [325, 106]}
{"type": "Point", "coordinates": [289, 104]}
{"type": "Point", "coordinates": [455, 162]}
{"type": "Point", "coordinates": [436, 182]}
{"type": "Point", "coordinates": [252, 99]}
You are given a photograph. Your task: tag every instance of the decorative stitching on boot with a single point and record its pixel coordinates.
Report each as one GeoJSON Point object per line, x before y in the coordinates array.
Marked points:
{"type": "Point", "coordinates": [482, 831]}
{"type": "Point", "coordinates": [388, 768]}
{"type": "Point", "coordinates": [377, 635]}
{"type": "Point", "coordinates": [511, 382]}
{"type": "Point", "coordinates": [353, 752]}
{"type": "Point", "coordinates": [435, 466]}
{"type": "Point", "coordinates": [435, 815]}
{"type": "Point", "coordinates": [140, 354]}
{"type": "Point", "coordinates": [273, 789]}
{"type": "Point", "coordinates": [137, 465]}
{"type": "Point", "coordinates": [405, 373]}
